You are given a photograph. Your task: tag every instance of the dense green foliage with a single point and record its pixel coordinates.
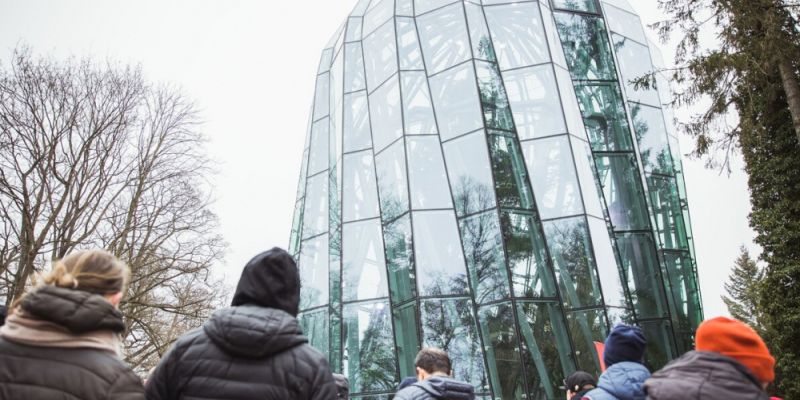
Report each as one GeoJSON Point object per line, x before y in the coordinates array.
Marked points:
{"type": "Point", "coordinates": [753, 72]}
{"type": "Point", "coordinates": [743, 290]}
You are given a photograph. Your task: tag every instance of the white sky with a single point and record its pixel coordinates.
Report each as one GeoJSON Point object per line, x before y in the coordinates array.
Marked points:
{"type": "Point", "coordinates": [250, 66]}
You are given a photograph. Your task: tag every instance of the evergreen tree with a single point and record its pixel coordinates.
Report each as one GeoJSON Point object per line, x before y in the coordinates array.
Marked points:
{"type": "Point", "coordinates": [753, 72]}
{"type": "Point", "coordinates": [743, 290]}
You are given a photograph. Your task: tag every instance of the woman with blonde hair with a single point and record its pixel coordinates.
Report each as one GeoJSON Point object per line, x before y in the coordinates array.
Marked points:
{"type": "Point", "coordinates": [63, 338]}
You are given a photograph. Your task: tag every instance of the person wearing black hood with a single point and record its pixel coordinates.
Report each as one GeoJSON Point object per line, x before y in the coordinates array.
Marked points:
{"type": "Point", "coordinates": [252, 350]}
{"type": "Point", "coordinates": [433, 379]}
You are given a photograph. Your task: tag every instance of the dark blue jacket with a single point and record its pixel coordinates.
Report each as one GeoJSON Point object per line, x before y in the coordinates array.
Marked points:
{"type": "Point", "coordinates": [621, 381]}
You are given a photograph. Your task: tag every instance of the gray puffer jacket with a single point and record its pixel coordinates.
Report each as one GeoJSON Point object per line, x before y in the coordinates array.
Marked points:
{"type": "Point", "coordinates": [621, 381]}
{"type": "Point", "coordinates": [704, 375]}
{"type": "Point", "coordinates": [437, 387]}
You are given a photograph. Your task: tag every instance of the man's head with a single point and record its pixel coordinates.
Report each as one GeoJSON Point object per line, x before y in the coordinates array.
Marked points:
{"type": "Point", "coordinates": [270, 279]}
{"type": "Point", "coordinates": [624, 343]}
{"type": "Point", "coordinates": [431, 362]}
{"type": "Point", "coordinates": [578, 382]}
{"type": "Point", "coordinates": [737, 340]}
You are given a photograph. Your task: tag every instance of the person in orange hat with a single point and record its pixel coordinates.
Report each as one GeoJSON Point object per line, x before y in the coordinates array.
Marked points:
{"type": "Point", "coordinates": [730, 362]}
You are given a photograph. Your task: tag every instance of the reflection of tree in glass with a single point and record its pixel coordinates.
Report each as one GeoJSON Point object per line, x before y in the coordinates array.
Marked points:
{"type": "Point", "coordinates": [502, 351]}
{"type": "Point", "coordinates": [399, 259]}
{"type": "Point", "coordinates": [493, 97]}
{"type": "Point", "coordinates": [471, 196]}
{"type": "Point", "coordinates": [480, 235]}
{"type": "Point", "coordinates": [572, 254]}
{"type": "Point", "coordinates": [586, 47]}
{"type": "Point", "coordinates": [654, 150]}
{"type": "Point", "coordinates": [370, 353]}
{"type": "Point", "coordinates": [510, 177]}
{"type": "Point", "coordinates": [587, 327]}
{"type": "Point", "coordinates": [546, 348]}
{"type": "Point", "coordinates": [449, 325]}
{"type": "Point", "coordinates": [485, 49]}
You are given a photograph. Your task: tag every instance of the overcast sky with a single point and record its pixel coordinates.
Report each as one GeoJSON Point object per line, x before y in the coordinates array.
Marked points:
{"type": "Point", "coordinates": [250, 66]}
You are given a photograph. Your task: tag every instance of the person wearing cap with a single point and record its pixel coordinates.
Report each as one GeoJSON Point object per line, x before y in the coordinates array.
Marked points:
{"type": "Point", "coordinates": [252, 350]}
{"type": "Point", "coordinates": [578, 384]}
{"type": "Point", "coordinates": [625, 374]}
{"type": "Point", "coordinates": [730, 362]}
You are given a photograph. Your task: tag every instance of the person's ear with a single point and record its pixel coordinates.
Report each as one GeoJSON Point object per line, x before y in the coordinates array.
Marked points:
{"type": "Point", "coordinates": [114, 299]}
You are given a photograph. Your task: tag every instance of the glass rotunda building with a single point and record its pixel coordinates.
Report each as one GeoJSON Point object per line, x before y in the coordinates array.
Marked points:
{"type": "Point", "coordinates": [484, 177]}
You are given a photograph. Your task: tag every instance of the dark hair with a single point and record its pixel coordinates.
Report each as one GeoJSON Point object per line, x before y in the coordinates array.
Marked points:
{"type": "Point", "coordinates": [433, 360]}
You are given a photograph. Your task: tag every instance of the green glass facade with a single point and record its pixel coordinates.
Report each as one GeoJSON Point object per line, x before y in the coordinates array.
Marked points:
{"type": "Point", "coordinates": [480, 176]}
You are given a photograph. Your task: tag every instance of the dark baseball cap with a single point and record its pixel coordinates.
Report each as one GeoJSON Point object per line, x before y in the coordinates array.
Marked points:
{"type": "Point", "coordinates": [578, 379]}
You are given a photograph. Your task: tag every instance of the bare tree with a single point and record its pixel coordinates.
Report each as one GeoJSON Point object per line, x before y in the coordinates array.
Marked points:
{"type": "Point", "coordinates": [95, 156]}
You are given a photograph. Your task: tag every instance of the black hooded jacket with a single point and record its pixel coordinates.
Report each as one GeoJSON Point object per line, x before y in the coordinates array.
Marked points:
{"type": "Point", "coordinates": [254, 350]}
{"type": "Point", "coordinates": [437, 387]}
{"type": "Point", "coordinates": [59, 370]}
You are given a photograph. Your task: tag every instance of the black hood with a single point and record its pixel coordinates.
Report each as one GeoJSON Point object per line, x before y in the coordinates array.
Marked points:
{"type": "Point", "coordinates": [270, 279]}
{"type": "Point", "coordinates": [254, 332]}
{"type": "Point", "coordinates": [76, 310]}
{"type": "Point", "coordinates": [441, 387]}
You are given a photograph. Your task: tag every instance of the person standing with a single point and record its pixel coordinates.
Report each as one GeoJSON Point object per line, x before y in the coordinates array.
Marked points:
{"type": "Point", "coordinates": [578, 384]}
{"type": "Point", "coordinates": [625, 374]}
{"type": "Point", "coordinates": [63, 338]}
{"type": "Point", "coordinates": [730, 362]}
{"type": "Point", "coordinates": [434, 380]}
{"type": "Point", "coordinates": [252, 350]}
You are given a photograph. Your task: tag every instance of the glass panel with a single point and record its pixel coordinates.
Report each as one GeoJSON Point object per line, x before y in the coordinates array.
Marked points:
{"type": "Point", "coordinates": [584, 165]}
{"type": "Point", "coordinates": [369, 347]}
{"type": "Point", "coordinates": [423, 6]}
{"type": "Point", "coordinates": [319, 147]}
{"type": "Point", "coordinates": [455, 96]}
{"type": "Point", "coordinates": [623, 191]}
{"type": "Point", "coordinates": [417, 108]}
{"type": "Point", "coordinates": [315, 219]}
{"type": "Point", "coordinates": [556, 51]}
{"type": "Point", "coordinates": [659, 350]}
{"type": "Point", "coordinates": [619, 315]}
{"type": "Point", "coordinates": [301, 184]}
{"type": "Point", "coordinates": [534, 99]}
{"type": "Point", "coordinates": [315, 327]}
{"type": "Point", "coordinates": [325, 63]}
{"type": "Point", "coordinates": [294, 239]}
{"type": "Point", "coordinates": [380, 55]}
{"type": "Point", "coordinates": [502, 351]}
{"type": "Point", "coordinates": [360, 7]}
{"type": "Point", "coordinates": [356, 122]}
{"type": "Point", "coordinates": [518, 35]}
{"type": "Point", "coordinates": [314, 272]}
{"type": "Point", "coordinates": [363, 263]}
{"type": "Point", "coordinates": [410, 53]}
{"type": "Point", "coordinates": [449, 325]}
{"type": "Point", "coordinates": [510, 176]}
{"type": "Point", "coordinates": [527, 256]}
{"type": "Point", "coordinates": [586, 47]}
{"type": "Point", "coordinates": [429, 188]}
{"type": "Point", "coordinates": [686, 311]}
{"type": "Point", "coordinates": [578, 5]}
{"type": "Point", "coordinates": [493, 97]}
{"type": "Point", "coordinates": [359, 188]}
{"type": "Point", "coordinates": [545, 343]}
{"type": "Point", "coordinates": [640, 262]}
{"type": "Point", "coordinates": [482, 47]}
{"type": "Point", "coordinates": [407, 338]}
{"type": "Point", "coordinates": [353, 67]}
{"type": "Point", "coordinates": [400, 258]}
{"type": "Point", "coordinates": [354, 25]}
{"type": "Point", "coordinates": [574, 262]}
{"type": "Point", "coordinates": [606, 261]}
{"type": "Point", "coordinates": [480, 235]}
{"type": "Point", "coordinates": [405, 7]}
{"type": "Point", "coordinates": [667, 212]}
{"type": "Point", "coordinates": [587, 327]}
{"type": "Point", "coordinates": [379, 12]}
{"type": "Point", "coordinates": [570, 103]}
{"type": "Point", "coordinates": [440, 263]}
{"type": "Point", "coordinates": [392, 181]}
{"type": "Point", "coordinates": [322, 96]}
{"type": "Point", "coordinates": [552, 174]}
{"type": "Point", "coordinates": [634, 63]}
{"type": "Point", "coordinates": [648, 123]}
{"type": "Point", "coordinates": [604, 116]}
{"type": "Point", "coordinates": [470, 173]}
{"type": "Point", "coordinates": [625, 23]}
{"type": "Point", "coordinates": [386, 112]}
{"type": "Point", "coordinates": [443, 34]}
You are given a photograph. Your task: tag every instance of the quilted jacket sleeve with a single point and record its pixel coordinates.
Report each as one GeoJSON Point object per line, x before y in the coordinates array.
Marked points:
{"type": "Point", "coordinates": [324, 387]}
{"type": "Point", "coordinates": [163, 382]}
{"type": "Point", "coordinates": [126, 387]}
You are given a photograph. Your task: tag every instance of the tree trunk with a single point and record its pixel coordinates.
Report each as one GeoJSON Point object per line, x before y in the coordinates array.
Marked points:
{"type": "Point", "coordinates": [792, 89]}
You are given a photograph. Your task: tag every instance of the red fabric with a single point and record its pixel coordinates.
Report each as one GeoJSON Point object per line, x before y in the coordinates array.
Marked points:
{"type": "Point", "coordinates": [737, 340]}
{"type": "Point", "coordinates": [600, 348]}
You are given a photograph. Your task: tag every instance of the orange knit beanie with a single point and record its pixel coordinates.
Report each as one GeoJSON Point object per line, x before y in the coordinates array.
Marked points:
{"type": "Point", "coordinates": [737, 340]}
